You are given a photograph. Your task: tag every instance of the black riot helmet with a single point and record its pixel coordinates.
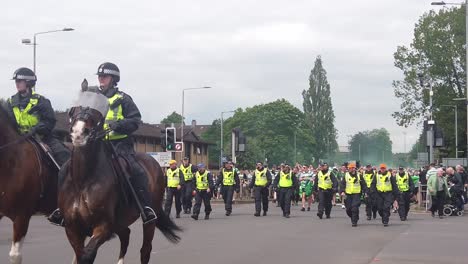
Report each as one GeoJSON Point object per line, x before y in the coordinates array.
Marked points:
{"type": "Point", "coordinates": [109, 68]}
{"type": "Point", "coordinates": [27, 75]}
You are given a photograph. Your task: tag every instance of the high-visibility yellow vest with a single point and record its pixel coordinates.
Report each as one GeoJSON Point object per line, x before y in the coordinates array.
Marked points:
{"type": "Point", "coordinates": [173, 179]}
{"type": "Point", "coordinates": [261, 178]}
{"type": "Point", "coordinates": [384, 183]}
{"type": "Point", "coordinates": [113, 115]}
{"type": "Point", "coordinates": [368, 177]}
{"type": "Point", "coordinates": [285, 180]}
{"type": "Point", "coordinates": [353, 184]}
{"type": "Point", "coordinates": [403, 182]}
{"type": "Point", "coordinates": [202, 180]}
{"type": "Point", "coordinates": [188, 175]}
{"type": "Point", "coordinates": [24, 119]}
{"type": "Point", "coordinates": [228, 177]}
{"type": "Point", "coordinates": [324, 180]}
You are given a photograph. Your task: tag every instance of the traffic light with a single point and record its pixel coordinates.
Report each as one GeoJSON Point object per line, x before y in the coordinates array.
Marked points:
{"type": "Point", "coordinates": [170, 138]}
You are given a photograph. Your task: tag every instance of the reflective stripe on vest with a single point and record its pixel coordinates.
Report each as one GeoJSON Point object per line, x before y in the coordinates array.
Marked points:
{"type": "Point", "coordinates": [324, 180]}
{"type": "Point", "coordinates": [353, 184]}
{"type": "Point", "coordinates": [202, 180]}
{"type": "Point", "coordinates": [24, 119]}
{"type": "Point", "coordinates": [261, 178]}
{"type": "Point", "coordinates": [188, 175]}
{"type": "Point", "coordinates": [285, 180]}
{"type": "Point", "coordinates": [228, 178]}
{"type": "Point", "coordinates": [403, 182]}
{"type": "Point", "coordinates": [113, 115]}
{"type": "Point", "coordinates": [368, 177]}
{"type": "Point", "coordinates": [173, 178]}
{"type": "Point", "coordinates": [384, 183]}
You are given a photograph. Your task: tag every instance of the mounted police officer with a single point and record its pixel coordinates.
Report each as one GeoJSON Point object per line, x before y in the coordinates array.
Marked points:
{"type": "Point", "coordinates": [34, 115]}
{"type": "Point", "coordinates": [122, 119]}
{"type": "Point", "coordinates": [261, 181]}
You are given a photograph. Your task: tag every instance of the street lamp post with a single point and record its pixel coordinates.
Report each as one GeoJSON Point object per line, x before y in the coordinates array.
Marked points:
{"type": "Point", "coordinates": [222, 151]}
{"type": "Point", "coordinates": [183, 105]}
{"type": "Point", "coordinates": [466, 58]}
{"type": "Point", "coordinates": [455, 107]}
{"type": "Point", "coordinates": [34, 44]}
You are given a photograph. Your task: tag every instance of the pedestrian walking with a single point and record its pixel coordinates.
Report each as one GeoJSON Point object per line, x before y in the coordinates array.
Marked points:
{"type": "Point", "coordinates": [352, 187]}
{"type": "Point", "coordinates": [260, 183]}
{"type": "Point", "coordinates": [230, 183]}
{"type": "Point", "coordinates": [325, 184]}
{"type": "Point", "coordinates": [203, 186]}
{"type": "Point", "coordinates": [285, 183]}
{"type": "Point", "coordinates": [384, 185]}
{"type": "Point", "coordinates": [174, 183]}
{"type": "Point", "coordinates": [405, 190]}
{"type": "Point", "coordinates": [437, 187]}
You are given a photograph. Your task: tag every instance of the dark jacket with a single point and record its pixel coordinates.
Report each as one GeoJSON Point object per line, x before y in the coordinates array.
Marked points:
{"type": "Point", "coordinates": [333, 179]}
{"type": "Point", "coordinates": [236, 179]}
{"type": "Point", "coordinates": [411, 183]}
{"type": "Point", "coordinates": [268, 176]}
{"type": "Point", "coordinates": [194, 169]}
{"type": "Point", "coordinates": [132, 116]}
{"type": "Point", "coordinates": [293, 177]}
{"type": "Point", "coordinates": [361, 180]}
{"type": "Point", "coordinates": [210, 182]}
{"type": "Point", "coordinates": [456, 181]}
{"type": "Point", "coordinates": [181, 177]}
{"type": "Point", "coordinates": [43, 110]}
{"type": "Point", "coordinates": [394, 191]}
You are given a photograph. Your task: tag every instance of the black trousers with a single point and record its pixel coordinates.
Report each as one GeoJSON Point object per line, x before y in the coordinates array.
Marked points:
{"type": "Point", "coordinates": [438, 202]}
{"type": "Point", "coordinates": [138, 178]}
{"type": "Point", "coordinates": [187, 190]}
{"type": "Point", "coordinates": [171, 193]}
{"type": "Point", "coordinates": [227, 192]}
{"type": "Point", "coordinates": [285, 196]}
{"type": "Point", "coordinates": [371, 206]}
{"type": "Point", "coordinates": [404, 203]}
{"type": "Point", "coordinates": [60, 153]}
{"type": "Point", "coordinates": [325, 201]}
{"type": "Point", "coordinates": [384, 203]}
{"type": "Point", "coordinates": [205, 197]}
{"type": "Point", "coordinates": [261, 197]}
{"type": "Point", "coordinates": [352, 203]}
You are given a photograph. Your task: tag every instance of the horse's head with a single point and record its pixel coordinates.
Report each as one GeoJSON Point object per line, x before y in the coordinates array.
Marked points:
{"type": "Point", "coordinates": [87, 117]}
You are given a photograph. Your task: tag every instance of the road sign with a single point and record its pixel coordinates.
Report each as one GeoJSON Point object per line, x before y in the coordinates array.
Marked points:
{"type": "Point", "coordinates": [162, 158]}
{"type": "Point", "coordinates": [178, 147]}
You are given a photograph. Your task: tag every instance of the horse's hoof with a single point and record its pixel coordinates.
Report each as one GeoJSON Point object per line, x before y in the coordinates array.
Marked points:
{"type": "Point", "coordinates": [15, 259]}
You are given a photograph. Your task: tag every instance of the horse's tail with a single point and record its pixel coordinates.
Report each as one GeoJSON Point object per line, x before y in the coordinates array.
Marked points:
{"type": "Point", "coordinates": [167, 226]}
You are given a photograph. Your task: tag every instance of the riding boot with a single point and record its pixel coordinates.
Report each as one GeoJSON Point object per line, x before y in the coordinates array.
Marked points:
{"type": "Point", "coordinates": [140, 185]}
{"type": "Point", "coordinates": [56, 218]}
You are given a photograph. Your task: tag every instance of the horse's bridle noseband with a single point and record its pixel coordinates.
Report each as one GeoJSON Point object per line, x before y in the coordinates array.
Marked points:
{"type": "Point", "coordinates": [84, 114]}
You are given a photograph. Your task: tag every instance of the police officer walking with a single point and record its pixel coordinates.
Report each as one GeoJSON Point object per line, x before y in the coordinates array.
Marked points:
{"type": "Point", "coordinates": [260, 183]}
{"type": "Point", "coordinates": [175, 181]}
{"type": "Point", "coordinates": [405, 189]}
{"type": "Point", "coordinates": [203, 186]}
{"type": "Point", "coordinates": [326, 185]}
{"type": "Point", "coordinates": [371, 207]}
{"type": "Point", "coordinates": [386, 190]}
{"type": "Point", "coordinates": [33, 114]}
{"type": "Point", "coordinates": [352, 187]}
{"type": "Point", "coordinates": [188, 170]}
{"type": "Point", "coordinates": [285, 183]}
{"type": "Point", "coordinates": [229, 181]}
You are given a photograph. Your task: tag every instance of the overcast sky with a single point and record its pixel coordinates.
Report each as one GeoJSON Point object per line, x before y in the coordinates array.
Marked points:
{"type": "Point", "coordinates": [250, 52]}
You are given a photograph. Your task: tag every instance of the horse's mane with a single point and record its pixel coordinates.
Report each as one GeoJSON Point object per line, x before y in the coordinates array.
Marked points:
{"type": "Point", "coordinates": [5, 119]}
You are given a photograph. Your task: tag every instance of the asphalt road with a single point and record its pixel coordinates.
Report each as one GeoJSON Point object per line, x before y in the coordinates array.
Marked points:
{"type": "Point", "coordinates": [243, 238]}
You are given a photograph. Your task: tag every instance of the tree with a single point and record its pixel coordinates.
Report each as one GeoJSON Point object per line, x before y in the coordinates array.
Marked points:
{"type": "Point", "coordinates": [437, 52]}
{"type": "Point", "coordinates": [319, 115]}
{"type": "Point", "coordinates": [372, 146]}
{"type": "Point", "coordinates": [174, 118]}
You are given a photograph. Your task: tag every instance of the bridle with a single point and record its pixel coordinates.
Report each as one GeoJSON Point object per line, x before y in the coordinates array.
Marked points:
{"type": "Point", "coordinates": [84, 114]}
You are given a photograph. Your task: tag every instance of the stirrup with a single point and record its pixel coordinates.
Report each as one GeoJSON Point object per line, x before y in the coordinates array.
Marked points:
{"type": "Point", "coordinates": [56, 218]}
{"type": "Point", "coordinates": [148, 215]}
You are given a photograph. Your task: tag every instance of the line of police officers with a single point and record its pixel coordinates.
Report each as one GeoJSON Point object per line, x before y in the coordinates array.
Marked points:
{"type": "Point", "coordinates": [377, 188]}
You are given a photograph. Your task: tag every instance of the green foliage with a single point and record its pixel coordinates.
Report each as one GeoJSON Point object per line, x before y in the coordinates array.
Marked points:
{"type": "Point", "coordinates": [172, 118]}
{"type": "Point", "coordinates": [372, 147]}
{"type": "Point", "coordinates": [270, 130]}
{"type": "Point", "coordinates": [437, 51]}
{"type": "Point", "coordinates": [319, 115]}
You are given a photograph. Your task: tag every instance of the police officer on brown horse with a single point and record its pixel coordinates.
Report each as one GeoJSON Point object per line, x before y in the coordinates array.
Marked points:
{"type": "Point", "coordinates": [123, 118]}
{"type": "Point", "coordinates": [34, 115]}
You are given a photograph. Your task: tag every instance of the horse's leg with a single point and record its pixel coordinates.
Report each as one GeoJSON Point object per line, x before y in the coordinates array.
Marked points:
{"type": "Point", "coordinates": [101, 234]}
{"type": "Point", "coordinates": [148, 234]}
{"type": "Point", "coordinates": [124, 236]}
{"type": "Point", "coordinates": [20, 228]}
{"type": "Point", "coordinates": [76, 239]}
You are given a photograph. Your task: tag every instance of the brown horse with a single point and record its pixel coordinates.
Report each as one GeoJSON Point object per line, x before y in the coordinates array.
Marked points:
{"type": "Point", "coordinates": [90, 196]}
{"type": "Point", "coordinates": [28, 184]}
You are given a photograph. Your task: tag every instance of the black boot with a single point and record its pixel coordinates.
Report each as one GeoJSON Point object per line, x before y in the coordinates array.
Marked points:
{"type": "Point", "coordinates": [264, 213]}
{"type": "Point", "coordinates": [207, 216]}
{"type": "Point", "coordinates": [257, 214]}
{"type": "Point", "coordinates": [56, 218]}
{"type": "Point", "coordinates": [195, 217]}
